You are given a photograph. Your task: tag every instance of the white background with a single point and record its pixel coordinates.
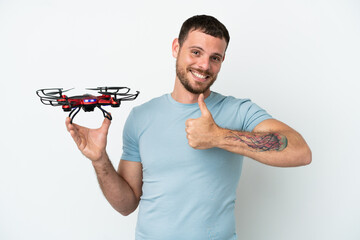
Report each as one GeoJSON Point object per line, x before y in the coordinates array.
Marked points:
{"type": "Point", "coordinates": [297, 59]}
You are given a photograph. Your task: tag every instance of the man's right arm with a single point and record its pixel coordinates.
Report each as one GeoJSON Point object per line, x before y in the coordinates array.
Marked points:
{"type": "Point", "coordinates": [121, 188]}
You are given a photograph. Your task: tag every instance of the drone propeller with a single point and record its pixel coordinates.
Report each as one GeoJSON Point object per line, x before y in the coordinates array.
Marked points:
{"type": "Point", "coordinates": [107, 90]}
{"type": "Point", "coordinates": [126, 97]}
{"type": "Point", "coordinates": [46, 92]}
{"type": "Point", "coordinates": [53, 101]}
{"type": "Point", "coordinates": [50, 96]}
{"type": "Point", "coordinates": [123, 95]}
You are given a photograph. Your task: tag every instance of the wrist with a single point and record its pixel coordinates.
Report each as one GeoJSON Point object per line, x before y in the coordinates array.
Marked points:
{"type": "Point", "coordinates": [218, 137]}
{"type": "Point", "coordinates": [103, 166]}
{"type": "Point", "coordinates": [102, 159]}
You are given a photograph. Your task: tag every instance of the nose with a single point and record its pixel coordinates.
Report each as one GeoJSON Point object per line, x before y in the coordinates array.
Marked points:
{"type": "Point", "coordinates": [204, 63]}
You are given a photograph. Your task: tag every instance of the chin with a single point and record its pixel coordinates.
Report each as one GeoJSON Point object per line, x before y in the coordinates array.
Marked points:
{"type": "Point", "coordinates": [197, 90]}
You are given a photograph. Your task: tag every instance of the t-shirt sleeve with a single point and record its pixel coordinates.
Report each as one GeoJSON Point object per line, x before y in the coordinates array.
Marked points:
{"type": "Point", "coordinates": [252, 115]}
{"type": "Point", "coordinates": [131, 140]}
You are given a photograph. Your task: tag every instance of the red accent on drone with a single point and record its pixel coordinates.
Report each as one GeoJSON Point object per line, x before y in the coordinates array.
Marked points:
{"type": "Point", "coordinates": [112, 96]}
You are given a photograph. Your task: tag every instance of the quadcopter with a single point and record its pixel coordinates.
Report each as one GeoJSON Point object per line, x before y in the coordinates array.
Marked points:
{"type": "Point", "coordinates": [112, 96]}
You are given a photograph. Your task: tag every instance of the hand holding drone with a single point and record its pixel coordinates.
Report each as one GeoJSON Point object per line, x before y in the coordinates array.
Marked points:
{"type": "Point", "coordinates": [112, 96]}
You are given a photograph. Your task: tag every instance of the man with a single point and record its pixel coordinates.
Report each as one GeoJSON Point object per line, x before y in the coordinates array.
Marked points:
{"type": "Point", "coordinates": [183, 152]}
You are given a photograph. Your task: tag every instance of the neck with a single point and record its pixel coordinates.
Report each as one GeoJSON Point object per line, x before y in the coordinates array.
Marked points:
{"type": "Point", "coordinates": [181, 95]}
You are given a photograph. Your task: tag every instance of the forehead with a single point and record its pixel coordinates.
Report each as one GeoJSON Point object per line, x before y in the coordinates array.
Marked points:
{"type": "Point", "coordinates": [197, 38]}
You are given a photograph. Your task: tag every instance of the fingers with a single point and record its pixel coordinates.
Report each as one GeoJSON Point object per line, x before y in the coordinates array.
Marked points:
{"type": "Point", "coordinates": [202, 105]}
{"type": "Point", "coordinates": [188, 124]}
{"type": "Point", "coordinates": [67, 123]}
{"type": "Point", "coordinates": [79, 133]}
{"type": "Point", "coordinates": [70, 126]}
{"type": "Point", "coordinates": [72, 129]}
{"type": "Point", "coordinates": [105, 125]}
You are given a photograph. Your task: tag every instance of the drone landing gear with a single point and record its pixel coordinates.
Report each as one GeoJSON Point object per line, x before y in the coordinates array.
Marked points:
{"type": "Point", "coordinates": [72, 114]}
{"type": "Point", "coordinates": [77, 110]}
{"type": "Point", "coordinates": [105, 113]}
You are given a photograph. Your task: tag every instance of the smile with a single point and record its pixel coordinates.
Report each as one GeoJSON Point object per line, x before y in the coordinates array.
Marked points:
{"type": "Point", "coordinates": [199, 75]}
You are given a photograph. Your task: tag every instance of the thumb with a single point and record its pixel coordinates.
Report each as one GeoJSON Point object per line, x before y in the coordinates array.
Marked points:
{"type": "Point", "coordinates": [202, 105]}
{"type": "Point", "coordinates": [106, 124]}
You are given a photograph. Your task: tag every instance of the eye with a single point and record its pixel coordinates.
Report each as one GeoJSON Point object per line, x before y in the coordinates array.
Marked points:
{"type": "Point", "coordinates": [216, 59]}
{"type": "Point", "coordinates": [195, 52]}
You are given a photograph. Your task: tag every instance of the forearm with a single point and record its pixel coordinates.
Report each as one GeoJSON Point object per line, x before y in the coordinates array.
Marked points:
{"type": "Point", "coordinates": [281, 148]}
{"type": "Point", "coordinates": [116, 190]}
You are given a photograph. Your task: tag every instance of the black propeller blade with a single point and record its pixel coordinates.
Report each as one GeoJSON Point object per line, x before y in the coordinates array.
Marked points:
{"type": "Point", "coordinates": [107, 90]}
{"type": "Point", "coordinates": [49, 92]}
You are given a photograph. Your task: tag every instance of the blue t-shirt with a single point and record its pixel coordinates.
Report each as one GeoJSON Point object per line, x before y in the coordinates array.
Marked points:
{"type": "Point", "coordinates": [187, 193]}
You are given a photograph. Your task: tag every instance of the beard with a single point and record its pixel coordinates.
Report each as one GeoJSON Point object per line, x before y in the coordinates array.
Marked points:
{"type": "Point", "coordinates": [200, 87]}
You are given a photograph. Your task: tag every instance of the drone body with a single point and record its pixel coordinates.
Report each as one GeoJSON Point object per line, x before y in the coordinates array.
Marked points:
{"type": "Point", "coordinates": [109, 96]}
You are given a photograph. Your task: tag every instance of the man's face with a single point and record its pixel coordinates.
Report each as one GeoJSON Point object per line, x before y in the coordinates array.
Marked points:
{"type": "Point", "coordinates": [199, 61]}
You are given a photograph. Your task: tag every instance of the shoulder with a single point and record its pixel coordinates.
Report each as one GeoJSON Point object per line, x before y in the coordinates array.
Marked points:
{"type": "Point", "coordinates": [238, 113]}
{"type": "Point", "coordinates": [229, 101]}
{"type": "Point", "coordinates": [150, 106]}
{"type": "Point", "coordinates": [141, 115]}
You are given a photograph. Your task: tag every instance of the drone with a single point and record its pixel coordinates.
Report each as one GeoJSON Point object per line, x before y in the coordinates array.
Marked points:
{"type": "Point", "coordinates": [112, 96]}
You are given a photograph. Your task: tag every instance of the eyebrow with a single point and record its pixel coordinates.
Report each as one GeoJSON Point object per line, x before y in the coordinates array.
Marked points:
{"type": "Point", "coordinates": [200, 48]}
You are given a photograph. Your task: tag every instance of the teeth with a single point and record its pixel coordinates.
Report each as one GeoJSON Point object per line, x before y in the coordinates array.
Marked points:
{"type": "Point", "coordinates": [198, 75]}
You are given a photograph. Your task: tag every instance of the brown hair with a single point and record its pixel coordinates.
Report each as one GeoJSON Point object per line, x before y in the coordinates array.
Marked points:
{"type": "Point", "coordinates": [206, 24]}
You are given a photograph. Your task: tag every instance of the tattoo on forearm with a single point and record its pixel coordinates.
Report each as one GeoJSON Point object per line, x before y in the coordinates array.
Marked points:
{"type": "Point", "coordinates": [260, 142]}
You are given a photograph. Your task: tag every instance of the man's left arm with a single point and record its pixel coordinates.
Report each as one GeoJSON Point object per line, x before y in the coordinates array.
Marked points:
{"type": "Point", "coordinates": [271, 142]}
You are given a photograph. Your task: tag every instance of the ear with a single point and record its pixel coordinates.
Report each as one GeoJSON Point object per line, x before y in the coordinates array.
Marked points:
{"type": "Point", "coordinates": [175, 48]}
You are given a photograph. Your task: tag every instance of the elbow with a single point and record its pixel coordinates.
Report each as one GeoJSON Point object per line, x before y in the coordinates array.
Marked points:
{"type": "Point", "coordinates": [309, 158]}
{"type": "Point", "coordinates": [301, 157]}
{"type": "Point", "coordinates": [126, 213]}
{"type": "Point", "coordinates": [127, 210]}
{"type": "Point", "coordinates": [305, 158]}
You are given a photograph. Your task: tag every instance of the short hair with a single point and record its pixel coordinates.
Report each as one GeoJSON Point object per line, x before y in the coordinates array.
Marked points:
{"type": "Point", "coordinates": [206, 24]}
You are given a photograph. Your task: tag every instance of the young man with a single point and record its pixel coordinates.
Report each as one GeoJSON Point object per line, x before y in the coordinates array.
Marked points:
{"type": "Point", "coordinates": [183, 152]}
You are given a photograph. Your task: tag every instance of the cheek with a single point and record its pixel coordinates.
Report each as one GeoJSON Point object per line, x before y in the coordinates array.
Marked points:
{"type": "Point", "coordinates": [216, 68]}
{"type": "Point", "coordinates": [184, 61]}
{"type": "Point", "coordinates": [189, 61]}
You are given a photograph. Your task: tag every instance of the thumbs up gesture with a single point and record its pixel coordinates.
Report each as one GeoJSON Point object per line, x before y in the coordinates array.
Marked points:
{"type": "Point", "coordinates": [202, 132]}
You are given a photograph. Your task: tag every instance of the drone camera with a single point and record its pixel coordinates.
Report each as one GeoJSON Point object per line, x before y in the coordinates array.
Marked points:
{"type": "Point", "coordinates": [88, 108]}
